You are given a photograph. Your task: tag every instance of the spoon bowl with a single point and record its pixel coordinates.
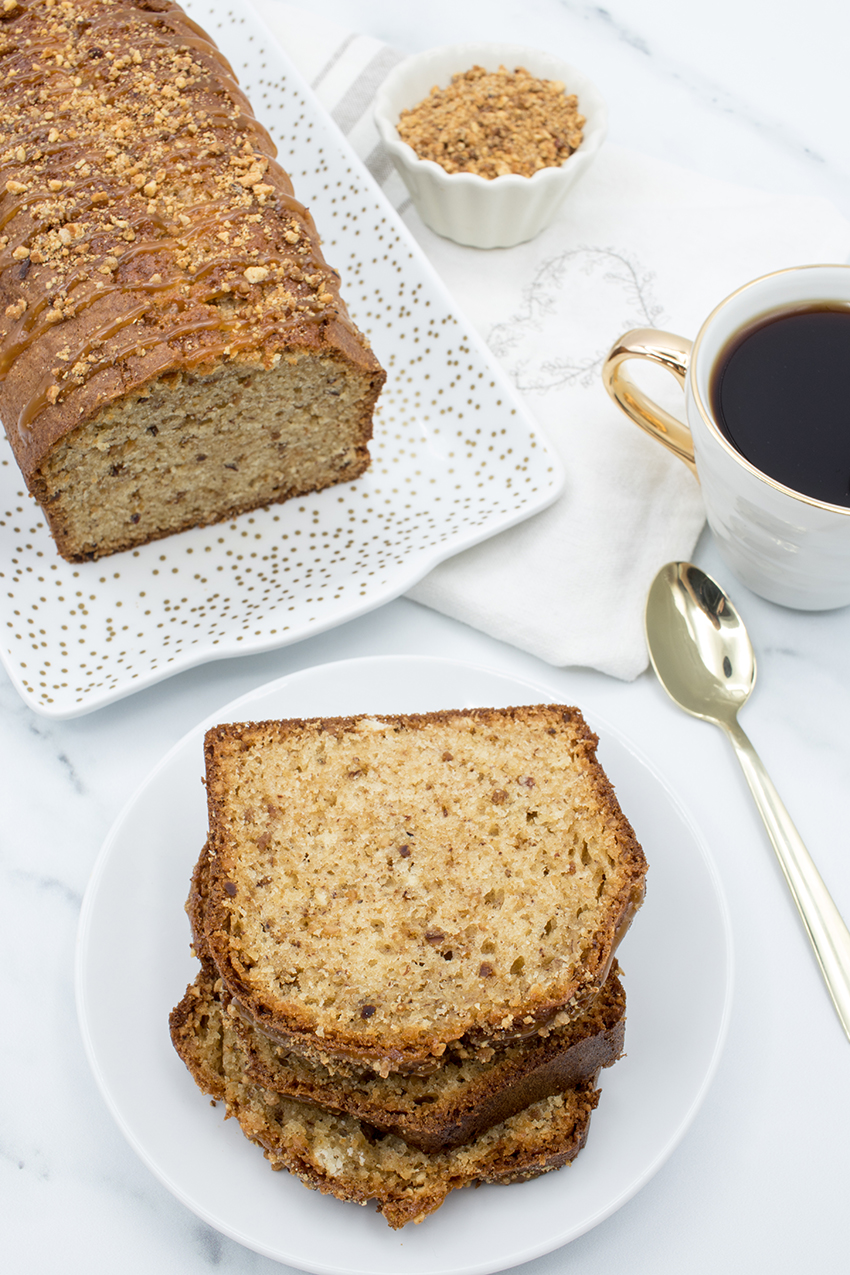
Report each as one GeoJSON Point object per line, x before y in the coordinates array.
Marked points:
{"type": "Point", "coordinates": [698, 644]}
{"type": "Point", "coordinates": [704, 659]}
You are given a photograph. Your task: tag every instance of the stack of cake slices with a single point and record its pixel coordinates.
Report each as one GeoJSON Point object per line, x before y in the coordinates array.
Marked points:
{"type": "Point", "coordinates": [406, 927]}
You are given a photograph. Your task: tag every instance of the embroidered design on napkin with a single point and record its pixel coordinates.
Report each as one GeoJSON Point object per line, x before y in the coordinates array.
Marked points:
{"type": "Point", "coordinates": [575, 305]}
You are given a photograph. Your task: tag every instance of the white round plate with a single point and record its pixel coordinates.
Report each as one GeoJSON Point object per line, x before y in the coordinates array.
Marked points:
{"type": "Point", "coordinates": [133, 964]}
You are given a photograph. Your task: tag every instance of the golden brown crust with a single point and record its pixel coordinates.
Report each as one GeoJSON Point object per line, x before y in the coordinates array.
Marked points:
{"type": "Point", "coordinates": [146, 230]}
{"type": "Point", "coordinates": [196, 1019]}
{"type": "Point", "coordinates": [557, 993]}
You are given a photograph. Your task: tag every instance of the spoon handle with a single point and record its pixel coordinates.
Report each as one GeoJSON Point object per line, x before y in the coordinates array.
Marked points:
{"type": "Point", "coordinates": [826, 929]}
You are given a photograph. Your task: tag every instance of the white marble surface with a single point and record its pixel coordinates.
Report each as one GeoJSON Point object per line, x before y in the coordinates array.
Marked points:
{"type": "Point", "coordinates": [760, 1183]}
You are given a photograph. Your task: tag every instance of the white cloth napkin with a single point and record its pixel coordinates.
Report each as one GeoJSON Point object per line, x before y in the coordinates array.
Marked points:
{"type": "Point", "coordinates": [640, 243]}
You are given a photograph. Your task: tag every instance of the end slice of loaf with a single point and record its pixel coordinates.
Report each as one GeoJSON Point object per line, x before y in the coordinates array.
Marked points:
{"type": "Point", "coordinates": [338, 1155]}
{"type": "Point", "coordinates": [173, 346]}
{"type": "Point", "coordinates": [381, 890]}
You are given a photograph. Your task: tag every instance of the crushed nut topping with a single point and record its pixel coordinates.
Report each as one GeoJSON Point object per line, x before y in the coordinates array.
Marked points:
{"type": "Point", "coordinates": [495, 122]}
{"type": "Point", "coordinates": [137, 190]}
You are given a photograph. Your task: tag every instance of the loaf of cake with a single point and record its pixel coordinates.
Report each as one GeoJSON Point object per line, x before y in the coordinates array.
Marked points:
{"type": "Point", "coordinates": [340, 1155]}
{"type": "Point", "coordinates": [387, 892]}
{"type": "Point", "coordinates": [173, 347]}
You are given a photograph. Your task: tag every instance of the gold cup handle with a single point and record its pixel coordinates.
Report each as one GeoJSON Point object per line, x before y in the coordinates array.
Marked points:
{"type": "Point", "coordinates": [669, 351]}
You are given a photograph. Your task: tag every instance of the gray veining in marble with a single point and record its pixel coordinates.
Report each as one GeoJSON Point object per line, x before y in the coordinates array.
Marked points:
{"type": "Point", "coordinates": [734, 89]}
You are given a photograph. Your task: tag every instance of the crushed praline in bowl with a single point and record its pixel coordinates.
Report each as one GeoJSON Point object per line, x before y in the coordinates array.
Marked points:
{"type": "Point", "coordinates": [483, 205]}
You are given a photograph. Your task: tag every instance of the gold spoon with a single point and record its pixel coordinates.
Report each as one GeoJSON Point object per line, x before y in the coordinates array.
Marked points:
{"type": "Point", "coordinates": [704, 660]}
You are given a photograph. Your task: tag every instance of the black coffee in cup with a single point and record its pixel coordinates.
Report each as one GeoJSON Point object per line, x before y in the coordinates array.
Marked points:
{"type": "Point", "coordinates": [780, 392]}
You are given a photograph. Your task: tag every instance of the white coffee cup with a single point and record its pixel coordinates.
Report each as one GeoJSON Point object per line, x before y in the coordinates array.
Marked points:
{"type": "Point", "coordinates": [785, 546]}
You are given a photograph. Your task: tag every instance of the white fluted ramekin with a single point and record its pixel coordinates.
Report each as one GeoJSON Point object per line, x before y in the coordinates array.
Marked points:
{"type": "Point", "coordinates": [469, 209]}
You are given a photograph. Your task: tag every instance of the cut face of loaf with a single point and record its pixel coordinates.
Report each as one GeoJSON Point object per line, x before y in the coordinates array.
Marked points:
{"type": "Point", "coordinates": [173, 347]}
{"type": "Point", "coordinates": [339, 1156]}
{"type": "Point", "coordinates": [381, 890]}
{"type": "Point", "coordinates": [197, 449]}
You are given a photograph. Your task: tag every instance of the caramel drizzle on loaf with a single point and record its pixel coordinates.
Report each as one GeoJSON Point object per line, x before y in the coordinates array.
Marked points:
{"type": "Point", "coordinates": [135, 169]}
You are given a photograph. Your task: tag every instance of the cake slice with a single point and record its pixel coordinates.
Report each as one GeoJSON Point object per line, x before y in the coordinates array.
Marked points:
{"type": "Point", "coordinates": [382, 890]}
{"type": "Point", "coordinates": [339, 1155]}
{"type": "Point", "coordinates": [447, 1107]}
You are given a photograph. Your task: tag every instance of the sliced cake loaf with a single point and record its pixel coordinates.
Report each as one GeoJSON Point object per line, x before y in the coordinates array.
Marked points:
{"type": "Point", "coordinates": [384, 889]}
{"type": "Point", "coordinates": [173, 346]}
{"type": "Point", "coordinates": [339, 1155]}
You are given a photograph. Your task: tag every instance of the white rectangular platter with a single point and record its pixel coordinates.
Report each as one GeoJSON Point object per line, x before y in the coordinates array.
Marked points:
{"type": "Point", "coordinates": [456, 459]}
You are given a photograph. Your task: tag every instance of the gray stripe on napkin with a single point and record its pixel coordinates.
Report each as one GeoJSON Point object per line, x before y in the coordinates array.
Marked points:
{"type": "Point", "coordinates": [379, 164]}
{"type": "Point", "coordinates": [381, 167]}
{"type": "Point", "coordinates": [334, 58]}
{"type": "Point", "coordinates": [358, 97]}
